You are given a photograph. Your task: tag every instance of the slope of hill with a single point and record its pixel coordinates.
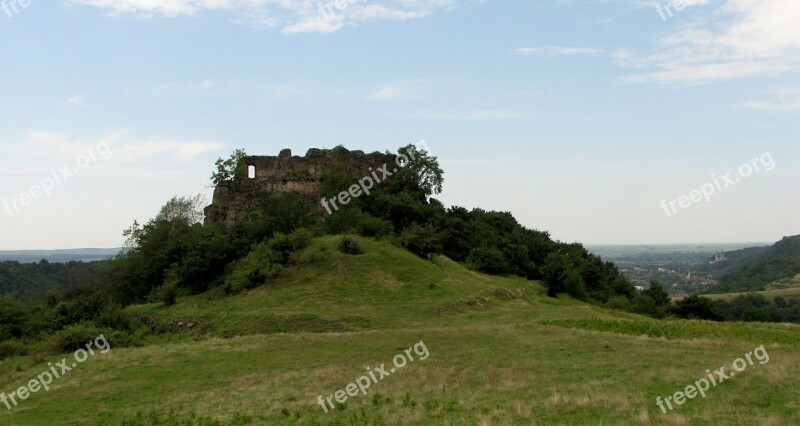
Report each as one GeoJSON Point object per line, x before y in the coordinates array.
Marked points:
{"type": "Point", "coordinates": [753, 269]}
{"type": "Point", "coordinates": [498, 352]}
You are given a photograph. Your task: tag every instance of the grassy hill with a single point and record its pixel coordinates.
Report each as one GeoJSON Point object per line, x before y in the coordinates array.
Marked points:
{"type": "Point", "coordinates": [499, 353]}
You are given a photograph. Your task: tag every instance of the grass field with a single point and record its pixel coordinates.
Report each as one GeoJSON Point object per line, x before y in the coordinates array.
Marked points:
{"type": "Point", "coordinates": [499, 354]}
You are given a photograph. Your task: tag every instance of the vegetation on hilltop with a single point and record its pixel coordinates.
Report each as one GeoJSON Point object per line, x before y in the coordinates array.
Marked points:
{"type": "Point", "coordinates": [174, 255]}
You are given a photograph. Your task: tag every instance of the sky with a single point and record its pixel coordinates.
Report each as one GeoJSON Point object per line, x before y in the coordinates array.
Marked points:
{"type": "Point", "coordinates": [600, 121]}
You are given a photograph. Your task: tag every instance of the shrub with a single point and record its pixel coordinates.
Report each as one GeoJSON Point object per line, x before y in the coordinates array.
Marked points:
{"type": "Point", "coordinates": [112, 316]}
{"type": "Point", "coordinates": [74, 337]}
{"type": "Point", "coordinates": [619, 302]}
{"type": "Point", "coordinates": [169, 293]}
{"type": "Point", "coordinates": [503, 293]}
{"type": "Point", "coordinates": [300, 238]}
{"type": "Point", "coordinates": [644, 304]}
{"type": "Point", "coordinates": [374, 227]}
{"type": "Point", "coordinates": [350, 246]}
{"type": "Point", "coordinates": [421, 240]}
{"type": "Point", "coordinates": [344, 220]}
{"type": "Point", "coordinates": [261, 264]}
{"type": "Point", "coordinates": [10, 348]}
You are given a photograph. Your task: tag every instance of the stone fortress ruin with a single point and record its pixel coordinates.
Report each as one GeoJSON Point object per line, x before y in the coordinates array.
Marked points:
{"type": "Point", "coordinates": [268, 175]}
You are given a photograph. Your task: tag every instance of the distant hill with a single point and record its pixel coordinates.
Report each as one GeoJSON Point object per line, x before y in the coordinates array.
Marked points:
{"type": "Point", "coordinates": [68, 255]}
{"type": "Point", "coordinates": [752, 269]}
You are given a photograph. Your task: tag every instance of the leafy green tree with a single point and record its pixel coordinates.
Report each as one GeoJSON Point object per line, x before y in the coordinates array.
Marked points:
{"type": "Point", "coordinates": [657, 293]}
{"type": "Point", "coordinates": [227, 170]}
{"type": "Point", "coordinates": [420, 175]}
{"type": "Point", "coordinates": [155, 247]}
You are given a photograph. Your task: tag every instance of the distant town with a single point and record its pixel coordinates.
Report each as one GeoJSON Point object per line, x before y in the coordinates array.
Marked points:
{"type": "Point", "coordinates": [681, 269]}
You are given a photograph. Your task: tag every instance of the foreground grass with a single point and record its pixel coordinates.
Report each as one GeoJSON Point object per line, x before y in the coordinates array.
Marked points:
{"type": "Point", "coordinates": [499, 354]}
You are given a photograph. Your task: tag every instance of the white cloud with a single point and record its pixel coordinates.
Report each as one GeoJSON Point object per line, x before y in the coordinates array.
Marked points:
{"type": "Point", "coordinates": [184, 151]}
{"type": "Point", "coordinates": [293, 16]}
{"type": "Point", "coordinates": [558, 50]}
{"type": "Point", "coordinates": [530, 93]}
{"type": "Point", "coordinates": [484, 115]}
{"type": "Point", "coordinates": [203, 88]}
{"type": "Point", "coordinates": [75, 101]}
{"type": "Point", "coordinates": [55, 146]}
{"type": "Point", "coordinates": [741, 38]}
{"type": "Point", "coordinates": [64, 148]}
{"type": "Point", "coordinates": [788, 100]}
{"type": "Point", "coordinates": [400, 90]}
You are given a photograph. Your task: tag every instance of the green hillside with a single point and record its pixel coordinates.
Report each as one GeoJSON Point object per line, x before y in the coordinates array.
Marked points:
{"type": "Point", "coordinates": [752, 269]}
{"type": "Point", "coordinates": [499, 352]}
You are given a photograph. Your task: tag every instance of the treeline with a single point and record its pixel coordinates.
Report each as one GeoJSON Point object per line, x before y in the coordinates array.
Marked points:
{"type": "Point", "coordinates": [748, 308]}
{"type": "Point", "coordinates": [755, 307]}
{"type": "Point", "coordinates": [33, 282]}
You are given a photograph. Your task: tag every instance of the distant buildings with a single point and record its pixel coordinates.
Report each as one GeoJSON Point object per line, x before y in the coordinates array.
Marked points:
{"type": "Point", "coordinates": [719, 256]}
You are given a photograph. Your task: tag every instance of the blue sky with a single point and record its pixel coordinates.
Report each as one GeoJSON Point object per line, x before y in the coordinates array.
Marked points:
{"type": "Point", "coordinates": [583, 118]}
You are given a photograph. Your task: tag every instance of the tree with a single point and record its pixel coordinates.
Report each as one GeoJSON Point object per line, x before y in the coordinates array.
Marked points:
{"type": "Point", "coordinates": [13, 318]}
{"type": "Point", "coordinates": [188, 210]}
{"type": "Point", "coordinates": [228, 169]}
{"type": "Point", "coordinates": [154, 247]}
{"type": "Point", "coordinates": [695, 307]}
{"type": "Point", "coordinates": [657, 293]}
{"type": "Point", "coordinates": [554, 273]}
{"type": "Point", "coordinates": [420, 174]}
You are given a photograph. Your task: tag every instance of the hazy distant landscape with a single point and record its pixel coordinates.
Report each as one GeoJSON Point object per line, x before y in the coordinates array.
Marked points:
{"type": "Point", "coordinates": [67, 255]}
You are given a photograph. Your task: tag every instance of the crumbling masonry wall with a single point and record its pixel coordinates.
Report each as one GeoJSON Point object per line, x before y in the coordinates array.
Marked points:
{"type": "Point", "coordinates": [267, 175]}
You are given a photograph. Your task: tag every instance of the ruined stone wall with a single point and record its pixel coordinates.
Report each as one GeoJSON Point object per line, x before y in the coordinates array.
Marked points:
{"type": "Point", "coordinates": [233, 201]}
